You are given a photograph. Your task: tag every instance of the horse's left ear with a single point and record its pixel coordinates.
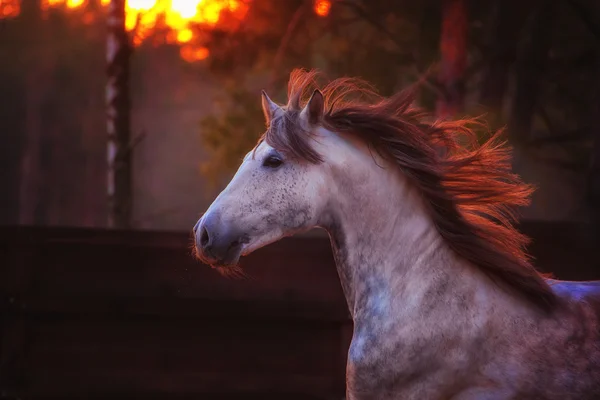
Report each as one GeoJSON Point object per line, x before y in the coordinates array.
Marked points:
{"type": "Point", "coordinates": [269, 107]}
{"type": "Point", "coordinates": [313, 111]}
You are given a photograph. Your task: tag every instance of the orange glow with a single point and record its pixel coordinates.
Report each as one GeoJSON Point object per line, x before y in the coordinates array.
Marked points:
{"type": "Point", "coordinates": [191, 54]}
{"type": "Point", "coordinates": [145, 16]}
{"type": "Point", "coordinates": [322, 7]}
{"type": "Point", "coordinates": [88, 18]}
{"type": "Point", "coordinates": [9, 8]}
{"type": "Point", "coordinates": [184, 35]}
{"type": "Point", "coordinates": [46, 3]}
{"type": "Point", "coordinates": [178, 17]}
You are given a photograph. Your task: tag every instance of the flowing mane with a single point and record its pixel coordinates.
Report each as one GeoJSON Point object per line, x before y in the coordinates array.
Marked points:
{"type": "Point", "coordinates": [469, 188]}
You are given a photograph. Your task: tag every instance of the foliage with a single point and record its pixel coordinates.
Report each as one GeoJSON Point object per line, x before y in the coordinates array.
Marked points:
{"type": "Point", "coordinates": [279, 36]}
{"type": "Point", "coordinates": [229, 135]}
{"type": "Point", "coordinates": [390, 44]}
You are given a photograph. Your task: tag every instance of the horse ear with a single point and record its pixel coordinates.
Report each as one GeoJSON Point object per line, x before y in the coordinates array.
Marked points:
{"type": "Point", "coordinates": [269, 107]}
{"type": "Point", "coordinates": [313, 111]}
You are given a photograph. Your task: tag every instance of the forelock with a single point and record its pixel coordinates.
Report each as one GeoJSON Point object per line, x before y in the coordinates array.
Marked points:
{"type": "Point", "coordinates": [286, 134]}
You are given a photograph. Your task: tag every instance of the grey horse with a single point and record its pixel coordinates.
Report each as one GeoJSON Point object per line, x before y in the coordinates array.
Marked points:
{"type": "Point", "coordinates": [444, 299]}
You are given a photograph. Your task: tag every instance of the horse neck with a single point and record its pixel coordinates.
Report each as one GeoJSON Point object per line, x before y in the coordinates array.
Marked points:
{"type": "Point", "coordinates": [388, 253]}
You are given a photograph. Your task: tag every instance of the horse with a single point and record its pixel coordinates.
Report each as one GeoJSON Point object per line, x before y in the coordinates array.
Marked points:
{"type": "Point", "coordinates": [421, 216]}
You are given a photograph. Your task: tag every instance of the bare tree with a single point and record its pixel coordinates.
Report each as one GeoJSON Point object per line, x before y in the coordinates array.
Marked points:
{"type": "Point", "coordinates": [118, 53]}
{"type": "Point", "coordinates": [590, 15]}
{"type": "Point", "coordinates": [531, 59]}
{"type": "Point", "coordinates": [453, 52]}
{"type": "Point", "coordinates": [507, 17]}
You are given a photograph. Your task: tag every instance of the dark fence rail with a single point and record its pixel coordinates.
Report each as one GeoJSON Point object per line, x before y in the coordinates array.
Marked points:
{"type": "Point", "coordinates": [95, 314]}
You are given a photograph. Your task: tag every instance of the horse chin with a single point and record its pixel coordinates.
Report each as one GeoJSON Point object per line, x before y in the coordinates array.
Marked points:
{"type": "Point", "coordinates": [232, 259]}
{"type": "Point", "coordinates": [231, 262]}
{"type": "Point", "coordinates": [230, 268]}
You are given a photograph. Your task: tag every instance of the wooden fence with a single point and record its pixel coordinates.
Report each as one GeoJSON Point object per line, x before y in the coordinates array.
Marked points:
{"type": "Point", "coordinates": [115, 314]}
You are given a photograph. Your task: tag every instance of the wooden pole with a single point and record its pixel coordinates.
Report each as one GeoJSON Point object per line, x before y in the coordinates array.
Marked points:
{"type": "Point", "coordinates": [118, 52]}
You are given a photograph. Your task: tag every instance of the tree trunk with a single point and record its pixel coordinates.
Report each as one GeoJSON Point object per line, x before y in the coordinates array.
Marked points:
{"type": "Point", "coordinates": [594, 180]}
{"type": "Point", "coordinates": [505, 25]}
{"type": "Point", "coordinates": [453, 52]}
{"type": "Point", "coordinates": [31, 201]}
{"type": "Point", "coordinates": [93, 164]}
{"type": "Point", "coordinates": [594, 171]}
{"type": "Point", "coordinates": [118, 52]}
{"type": "Point", "coordinates": [11, 146]}
{"type": "Point", "coordinates": [30, 170]}
{"type": "Point", "coordinates": [531, 59]}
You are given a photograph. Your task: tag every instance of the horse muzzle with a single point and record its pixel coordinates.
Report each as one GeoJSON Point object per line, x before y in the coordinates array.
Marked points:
{"type": "Point", "coordinates": [218, 244]}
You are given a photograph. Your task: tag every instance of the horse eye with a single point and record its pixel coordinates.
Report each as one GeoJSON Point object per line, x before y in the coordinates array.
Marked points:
{"type": "Point", "coordinates": [272, 162]}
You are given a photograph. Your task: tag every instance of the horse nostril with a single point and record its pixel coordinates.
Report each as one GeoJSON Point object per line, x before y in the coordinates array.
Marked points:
{"type": "Point", "coordinates": [204, 238]}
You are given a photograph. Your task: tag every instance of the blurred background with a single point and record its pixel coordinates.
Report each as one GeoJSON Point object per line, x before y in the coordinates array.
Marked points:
{"type": "Point", "coordinates": [196, 69]}
{"type": "Point", "coordinates": [122, 120]}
